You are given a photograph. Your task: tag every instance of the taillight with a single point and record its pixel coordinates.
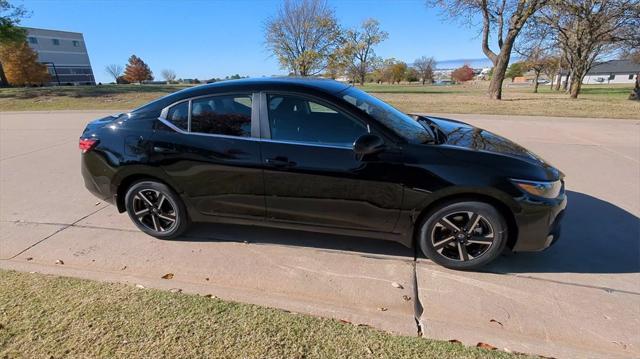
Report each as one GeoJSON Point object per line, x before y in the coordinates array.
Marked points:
{"type": "Point", "coordinates": [87, 144]}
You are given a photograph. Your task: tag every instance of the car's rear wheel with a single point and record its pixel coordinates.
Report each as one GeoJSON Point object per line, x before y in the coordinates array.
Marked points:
{"type": "Point", "coordinates": [156, 209]}
{"type": "Point", "coordinates": [463, 235]}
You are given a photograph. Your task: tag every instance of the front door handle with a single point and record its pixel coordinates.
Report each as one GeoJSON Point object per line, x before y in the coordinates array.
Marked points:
{"type": "Point", "coordinates": [280, 162]}
{"type": "Point", "coordinates": [164, 150]}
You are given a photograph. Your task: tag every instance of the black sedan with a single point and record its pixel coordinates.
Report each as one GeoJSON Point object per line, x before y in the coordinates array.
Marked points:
{"type": "Point", "coordinates": [323, 156]}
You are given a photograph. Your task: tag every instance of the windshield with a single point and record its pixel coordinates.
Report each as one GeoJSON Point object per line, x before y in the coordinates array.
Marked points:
{"type": "Point", "coordinates": [402, 124]}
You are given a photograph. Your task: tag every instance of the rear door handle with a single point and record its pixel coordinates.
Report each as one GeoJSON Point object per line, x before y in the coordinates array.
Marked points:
{"type": "Point", "coordinates": [164, 150]}
{"type": "Point", "coordinates": [280, 162]}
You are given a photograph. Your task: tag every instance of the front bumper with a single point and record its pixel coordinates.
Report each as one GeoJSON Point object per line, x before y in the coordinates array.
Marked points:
{"type": "Point", "coordinates": [539, 222]}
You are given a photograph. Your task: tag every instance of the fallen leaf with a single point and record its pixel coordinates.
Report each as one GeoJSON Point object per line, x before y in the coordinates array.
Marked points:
{"type": "Point", "coordinates": [123, 268]}
{"type": "Point", "coordinates": [29, 258]}
{"type": "Point", "coordinates": [139, 286]}
{"type": "Point", "coordinates": [344, 321]}
{"type": "Point", "coordinates": [125, 342]}
{"type": "Point", "coordinates": [1, 326]}
{"type": "Point", "coordinates": [406, 297]}
{"type": "Point", "coordinates": [97, 203]}
{"type": "Point", "coordinates": [168, 276]}
{"type": "Point", "coordinates": [207, 279]}
{"type": "Point", "coordinates": [59, 261]}
{"type": "Point", "coordinates": [507, 350]}
{"type": "Point", "coordinates": [245, 242]}
{"type": "Point", "coordinates": [397, 285]}
{"type": "Point", "coordinates": [210, 296]}
{"type": "Point", "coordinates": [455, 341]}
{"type": "Point", "coordinates": [486, 346]}
{"type": "Point", "coordinates": [495, 321]}
{"type": "Point", "coordinates": [383, 309]}
{"type": "Point", "coordinates": [368, 350]}
{"type": "Point", "coordinates": [175, 290]}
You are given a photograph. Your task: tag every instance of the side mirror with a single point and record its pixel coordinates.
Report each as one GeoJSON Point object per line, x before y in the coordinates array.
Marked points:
{"type": "Point", "coordinates": [368, 144]}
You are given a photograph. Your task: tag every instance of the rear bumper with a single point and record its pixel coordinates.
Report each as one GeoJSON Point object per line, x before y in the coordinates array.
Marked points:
{"type": "Point", "coordinates": [96, 177]}
{"type": "Point", "coordinates": [539, 223]}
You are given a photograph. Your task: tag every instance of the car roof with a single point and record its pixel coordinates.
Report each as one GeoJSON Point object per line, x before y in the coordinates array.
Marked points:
{"type": "Point", "coordinates": [249, 84]}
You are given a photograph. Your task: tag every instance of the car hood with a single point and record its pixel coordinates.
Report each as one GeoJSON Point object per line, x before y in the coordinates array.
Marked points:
{"type": "Point", "coordinates": [463, 135]}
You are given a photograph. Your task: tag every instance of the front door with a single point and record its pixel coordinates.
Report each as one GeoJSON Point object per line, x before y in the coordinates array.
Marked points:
{"type": "Point", "coordinates": [312, 175]}
{"type": "Point", "coordinates": [207, 145]}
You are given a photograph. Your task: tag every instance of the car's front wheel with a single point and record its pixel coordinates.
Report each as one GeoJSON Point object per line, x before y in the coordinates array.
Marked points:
{"type": "Point", "coordinates": [463, 235]}
{"type": "Point", "coordinates": [156, 209]}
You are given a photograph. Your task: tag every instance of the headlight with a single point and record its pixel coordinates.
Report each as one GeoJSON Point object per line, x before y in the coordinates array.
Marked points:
{"type": "Point", "coordinates": [540, 188]}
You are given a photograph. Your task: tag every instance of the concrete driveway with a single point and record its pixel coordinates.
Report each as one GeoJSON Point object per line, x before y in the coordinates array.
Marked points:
{"type": "Point", "coordinates": [581, 298]}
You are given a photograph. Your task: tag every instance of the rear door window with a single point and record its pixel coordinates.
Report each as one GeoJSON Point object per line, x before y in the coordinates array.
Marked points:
{"type": "Point", "coordinates": [178, 115]}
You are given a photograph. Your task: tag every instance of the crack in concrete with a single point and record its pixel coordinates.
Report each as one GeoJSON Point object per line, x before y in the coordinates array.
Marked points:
{"type": "Point", "coordinates": [34, 151]}
{"type": "Point", "coordinates": [65, 226]}
{"type": "Point", "coordinates": [418, 309]}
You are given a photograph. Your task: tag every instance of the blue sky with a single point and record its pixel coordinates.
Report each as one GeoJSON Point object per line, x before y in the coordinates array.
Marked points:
{"type": "Point", "coordinates": [204, 39]}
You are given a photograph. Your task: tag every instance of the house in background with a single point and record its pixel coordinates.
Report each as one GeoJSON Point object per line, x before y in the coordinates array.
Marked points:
{"type": "Point", "coordinates": [65, 55]}
{"type": "Point", "coordinates": [610, 72]}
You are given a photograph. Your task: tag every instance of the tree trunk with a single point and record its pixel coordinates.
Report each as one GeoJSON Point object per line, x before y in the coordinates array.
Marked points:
{"type": "Point", "coordinates": [576, 79]}
{"type": "Point", "coordinates": [3, 78]}
{"type": "Point", "coordinates": [535, 82]}
{"type": "Point", "coordinates": [500, 68]}
{"type": "Point", "coordinates": [559, 82]}
{"type": "Point", "coordinates": [635, 93]}
{"type": "Point", "coordinates": [565, 84]}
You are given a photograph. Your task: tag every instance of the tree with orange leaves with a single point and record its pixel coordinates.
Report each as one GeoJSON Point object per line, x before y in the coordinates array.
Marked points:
{"type": "Point", "coordinates": [21, 66]}
{"type": "Point", "coordinates": [137, 70]}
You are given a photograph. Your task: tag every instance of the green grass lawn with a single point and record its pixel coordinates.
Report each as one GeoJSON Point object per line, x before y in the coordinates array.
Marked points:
{"type": "Point", "coordinates": [609, 101]}
{"type": "Point", "coordinates": [47, 316]}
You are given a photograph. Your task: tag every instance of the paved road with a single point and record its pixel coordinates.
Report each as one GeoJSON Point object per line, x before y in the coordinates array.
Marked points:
{"type": "Point", "coordinates": [580, 298]}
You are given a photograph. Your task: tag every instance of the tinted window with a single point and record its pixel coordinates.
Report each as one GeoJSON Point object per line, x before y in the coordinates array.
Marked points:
{"type": "Point", "coordinates": [294, 118]}
{"type": "Point", "coordinates": [400, 123]}
{"type": "Point", "coordinates": [179, 115]}
{"type": "Point", "coordinates": [33, 40]}
{"type": "Point", "coordinates": [222, 115]}
{"type": "Point", "coordinates": [55, 42]}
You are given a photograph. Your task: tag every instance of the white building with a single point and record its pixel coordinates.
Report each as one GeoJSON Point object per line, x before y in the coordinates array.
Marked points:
{"type": "Point", "coordinates": [64, 53]}
{"type": "Point", "coordinates": [610, 72]}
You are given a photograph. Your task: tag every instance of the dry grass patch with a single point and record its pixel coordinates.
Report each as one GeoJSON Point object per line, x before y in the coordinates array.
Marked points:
{"type": "Point", "coordinates": [50, 317]}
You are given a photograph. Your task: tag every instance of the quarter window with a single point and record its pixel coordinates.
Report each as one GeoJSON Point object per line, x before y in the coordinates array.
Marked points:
{"type": "Point", "coordinates": [295, 118]}
{"type": "Point", "coordinates": [228, 115]}
{"type": "Point", "coordinates": [178, 115]}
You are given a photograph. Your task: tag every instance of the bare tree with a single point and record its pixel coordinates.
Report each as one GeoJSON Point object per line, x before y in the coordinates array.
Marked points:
{"type": "Point", "coordinates": [425, 66]}
{"type": "Point", "coordinates": [586, 29]}
{"type": "Point", "coordinates": [359, 45]}
{"type": "Point", "coordinates": [303, 35]}
{"type": "Point", "coordinates": [114, 70]}
{"type": "Point", "coordinates": [505, 19]}
{"type": "Point", "coordinates": [168, 75]}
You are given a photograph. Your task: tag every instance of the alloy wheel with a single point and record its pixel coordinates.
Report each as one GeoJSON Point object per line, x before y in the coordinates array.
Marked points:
{"type": "Point", "coordinates": [154, 210]}
{"type": "Point", "coordinates": [462, 236]}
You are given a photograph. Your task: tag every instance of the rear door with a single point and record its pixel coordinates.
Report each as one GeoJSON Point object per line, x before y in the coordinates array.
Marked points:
{"type": "Point", "coordinates": [312, 175]}
{"type": "Point", "coordinates": [209, 146]}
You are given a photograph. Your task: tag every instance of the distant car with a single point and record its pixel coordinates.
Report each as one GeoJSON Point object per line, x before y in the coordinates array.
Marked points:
{"type": "Point", "coordinates": [323, 156]}
{"type": "Point", "coordinates": [543, 81]}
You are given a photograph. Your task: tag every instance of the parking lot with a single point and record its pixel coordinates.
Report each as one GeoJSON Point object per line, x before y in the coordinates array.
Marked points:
{"type": "Point", "coordinates": [580, 298]}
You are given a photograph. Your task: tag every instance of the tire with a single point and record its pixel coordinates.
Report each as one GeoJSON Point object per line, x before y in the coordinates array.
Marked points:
{"type": "Point", "coordinates": [446, 239]}
{"type": "Point", "coordinates": [156, 209]}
